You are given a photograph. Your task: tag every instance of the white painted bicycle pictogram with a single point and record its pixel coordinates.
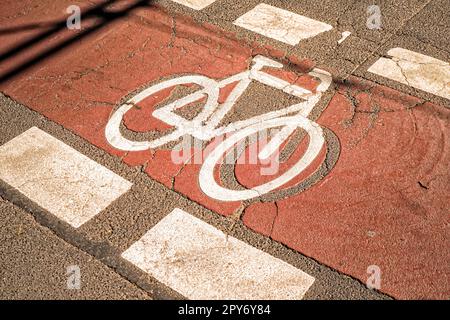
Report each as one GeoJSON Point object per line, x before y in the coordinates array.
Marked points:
{"type": "Point", "coordinates": [205, 126]}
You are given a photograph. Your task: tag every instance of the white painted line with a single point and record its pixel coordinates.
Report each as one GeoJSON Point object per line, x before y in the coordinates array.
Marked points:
{"type": "Point", "coordinates": [345, 35]}
{"type": "Point", "coordinates": [207, 180]}
{"type": "Point", "coordinates": [195, 4]}
{"type": "Point", "coordinates": [416, 70]}
{"type": "Point", "coordinates": [201, 262]}
{"type": "Point", "coordinates": [280, 24]}
{"type": "Point", "coordinates": [58, 178]}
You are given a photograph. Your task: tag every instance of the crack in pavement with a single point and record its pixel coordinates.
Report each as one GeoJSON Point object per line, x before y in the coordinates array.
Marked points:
{"type": "Point", "coordinates": [394, 33]}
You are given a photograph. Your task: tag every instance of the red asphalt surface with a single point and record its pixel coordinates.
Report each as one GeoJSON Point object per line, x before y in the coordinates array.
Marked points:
{"type": "Point", "coordinates": [385, 203]}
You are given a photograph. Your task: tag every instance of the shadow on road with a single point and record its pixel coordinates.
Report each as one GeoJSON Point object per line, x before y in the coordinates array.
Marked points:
{"type": "Point", "coordinates": [100, 15]}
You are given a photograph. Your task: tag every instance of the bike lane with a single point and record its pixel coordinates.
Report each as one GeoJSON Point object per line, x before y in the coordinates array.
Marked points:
{"type": "Point", "coordinates": [384, 203]}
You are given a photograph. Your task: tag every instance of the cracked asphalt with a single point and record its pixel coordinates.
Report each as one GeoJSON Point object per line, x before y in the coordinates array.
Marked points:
{"type": "Point", "coordinates": [332, 231]}
{"type": "Point", "coordinates": [40, 245]}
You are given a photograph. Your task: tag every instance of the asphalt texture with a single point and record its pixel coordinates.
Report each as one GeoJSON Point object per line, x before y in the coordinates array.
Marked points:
{"type": "Point", "coordinates": [99, 242]}
{"type": "Point", "coordinates": [411, 24]}
{"type": "Point", "coordinates": [36, 248]}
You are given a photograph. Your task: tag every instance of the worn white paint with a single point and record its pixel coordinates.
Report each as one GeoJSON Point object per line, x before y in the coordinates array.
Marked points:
{"type": "Point", "coordinates": [416, 70]}
{"type": "Point", "coordinates": [195, 4]}
{"type": "Point", "coordinates": [58, 178]}
{"type": "Point", "coordinates": [281, 25]}
{"type": "Point", "coordinates": [345, 35]}
{"type": "Point", "coordinates": [201, 262]}
{"type": "Point", "coordinates": [205, 125]}
{"type": "Point", "coordinates": [208, 182]}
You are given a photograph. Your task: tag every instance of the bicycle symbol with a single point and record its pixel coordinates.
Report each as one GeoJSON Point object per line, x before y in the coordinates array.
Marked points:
{"type": "Point", "coordinates": [205, 126]}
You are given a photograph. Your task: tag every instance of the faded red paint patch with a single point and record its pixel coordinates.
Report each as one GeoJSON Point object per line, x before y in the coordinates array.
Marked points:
{"type": "Point", "coordinates": [251, 171]}
{"type": "Point", "coordinates": [384, 203]}
{"type": "Point", "coordinates": [260, 216]}
{"type": "Point", "coordinates": [161, 167]}
{"type": "Point", "coordinates": [301, 80]}
{"type": "Point", "coordinates": [225, 92]}
{"type": "Point", "coordinates": [140, 119]}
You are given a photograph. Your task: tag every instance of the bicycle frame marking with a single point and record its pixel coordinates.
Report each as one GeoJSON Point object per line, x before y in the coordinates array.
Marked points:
{"type": "Point", "coordinates": [205, 125]}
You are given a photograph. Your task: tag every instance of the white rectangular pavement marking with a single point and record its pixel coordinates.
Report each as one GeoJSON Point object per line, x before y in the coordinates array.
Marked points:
{"type": "Point", "coordinates": [345, 35]}
{"type": "Point", "coordinates": [201, 262]}
{"type": "Point", "coordinates": [416, 70]}
{"type": "Point", "coordinates": [195, 4]}
{"type": "Point", "coordinates": [58, 178]}
{"type": "Point", "coordinates": [280, 24]}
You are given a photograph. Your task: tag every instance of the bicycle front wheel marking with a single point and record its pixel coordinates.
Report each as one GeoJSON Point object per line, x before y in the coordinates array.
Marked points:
{"type": "Point", "coordinates": [208, 182]}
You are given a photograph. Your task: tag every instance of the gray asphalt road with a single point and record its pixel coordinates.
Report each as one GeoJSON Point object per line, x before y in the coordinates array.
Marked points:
{"type": "Point", "coordinates": [420, 26]}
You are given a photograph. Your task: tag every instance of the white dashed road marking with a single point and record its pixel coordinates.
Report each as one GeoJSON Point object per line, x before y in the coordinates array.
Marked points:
{"type": "Point", "coordinates": [195, 4]}
{"type": "Point", "coordinates": [58, 178]}
{"type": "Point", "coordinates": [280, 24]}
{"type": "Point", "coordinates": [416, 70]}
{"type": "Point", "coordinates": [201, 262]}
{"type": "Point", "coordinates": [345, 35]}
